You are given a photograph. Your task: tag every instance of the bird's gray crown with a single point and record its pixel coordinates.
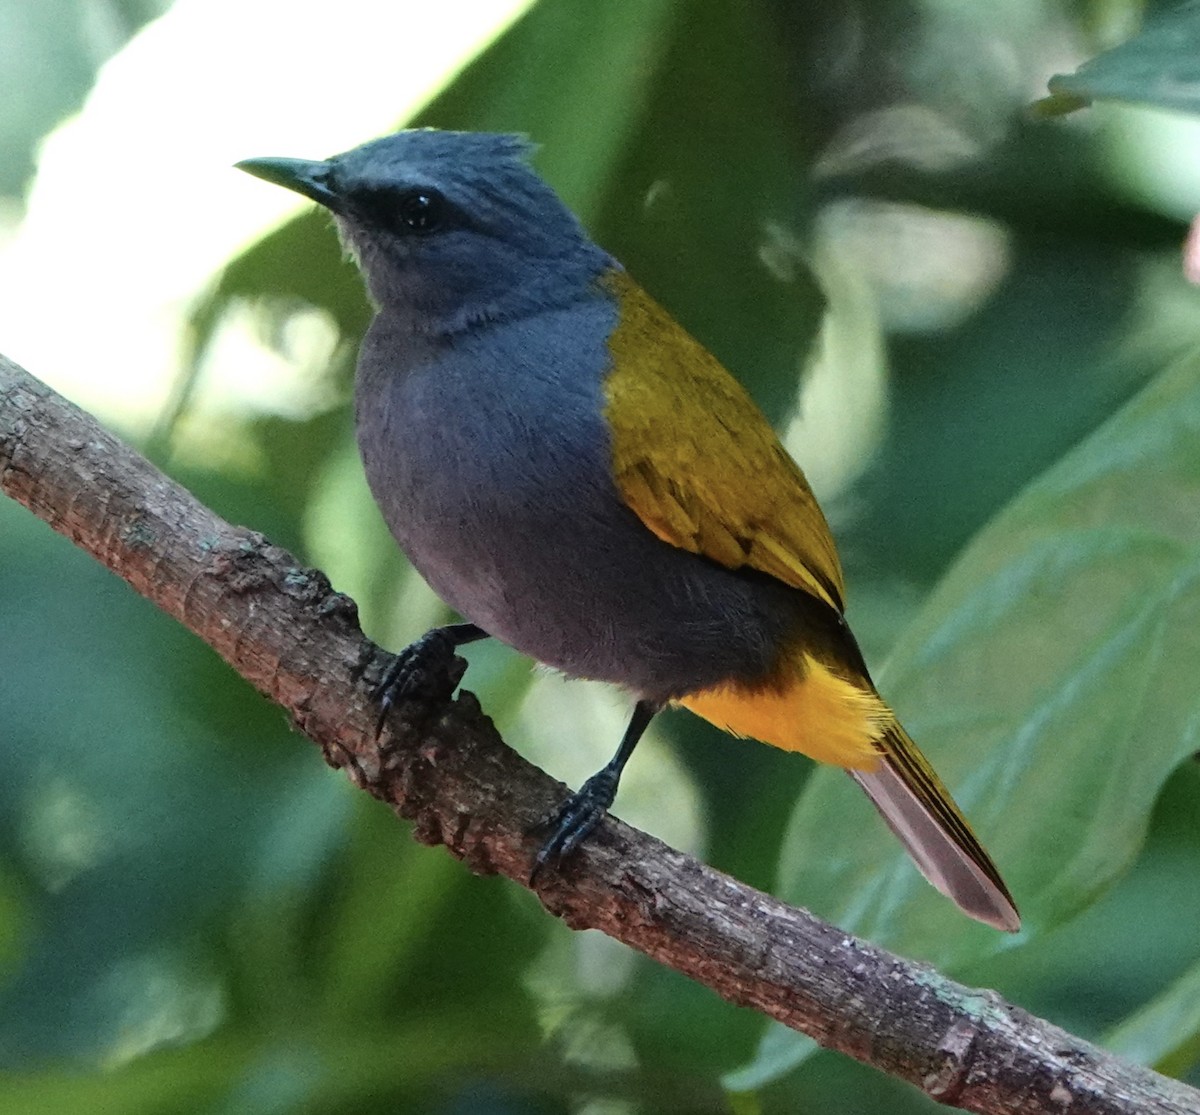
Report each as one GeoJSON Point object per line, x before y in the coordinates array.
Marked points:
{"type": "Point", "coordinates": [451, 228]}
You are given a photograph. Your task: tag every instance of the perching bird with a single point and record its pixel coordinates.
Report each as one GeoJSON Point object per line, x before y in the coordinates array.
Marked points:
{"type": "Point", "coordinates": [574, 474]}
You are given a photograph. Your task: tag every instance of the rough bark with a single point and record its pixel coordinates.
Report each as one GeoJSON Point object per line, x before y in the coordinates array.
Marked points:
{"type": "Point", "coordinates": [441, 764]}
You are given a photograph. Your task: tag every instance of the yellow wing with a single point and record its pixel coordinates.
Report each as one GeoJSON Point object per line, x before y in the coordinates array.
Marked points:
{"type": "Point", "coordinates": [699, 464]}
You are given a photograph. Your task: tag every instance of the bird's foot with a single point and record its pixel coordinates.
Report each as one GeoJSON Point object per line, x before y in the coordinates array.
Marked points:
{"type": "Point", "coordinates": [427, 670]}
{"type": "Point", "coordinates": [572, 821]}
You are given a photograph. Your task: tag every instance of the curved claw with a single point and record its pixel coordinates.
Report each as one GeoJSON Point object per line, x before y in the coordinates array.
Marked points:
{"type": "Point", "coordinates": [585, 808]}
{"type": "Point", "coordinates": [571, 822]}
{"type": "Point", "coordinates": [427, 669]}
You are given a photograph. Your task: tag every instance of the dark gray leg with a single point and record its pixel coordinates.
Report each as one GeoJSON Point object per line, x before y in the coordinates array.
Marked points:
{"type": "Point", "coordinates": [583, 810]}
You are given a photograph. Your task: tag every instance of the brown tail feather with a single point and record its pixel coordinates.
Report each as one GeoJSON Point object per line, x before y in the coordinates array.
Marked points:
{"type": "Point", "coordinates": [920, 811]}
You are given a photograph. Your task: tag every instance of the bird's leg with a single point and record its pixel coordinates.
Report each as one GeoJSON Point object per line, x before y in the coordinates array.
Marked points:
{"type": "Point", "coordinates": [425, 668]}
{"type": "Point", "coordinates": [582, 811]}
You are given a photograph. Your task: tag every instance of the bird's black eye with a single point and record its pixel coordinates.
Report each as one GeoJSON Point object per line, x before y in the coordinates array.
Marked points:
{"type": "Point", "coordinates": [421, 211]}
{"type": "Point", "coordinates": [418, 210]}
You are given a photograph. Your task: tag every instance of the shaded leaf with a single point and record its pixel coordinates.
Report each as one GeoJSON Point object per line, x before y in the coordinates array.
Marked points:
{"type": "Point", "coordinates": [703, 235]}
{"type": "Point", "coordinates": [127, 822]}
{"type": "Point", "coordinates": [718, 241]}
{"type": "Point", "coordinates": [1165, 1033]}
{"type": "Point", "coordinates": [1050, 679]}
{"type": "Point", "coordinates": [1160, 67]}
{"type": "Point", "coordinates": [542, 78]}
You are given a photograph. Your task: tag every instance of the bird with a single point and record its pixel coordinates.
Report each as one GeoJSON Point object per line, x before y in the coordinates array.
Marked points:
{"type": "Point", "coordinates": [574, 474]}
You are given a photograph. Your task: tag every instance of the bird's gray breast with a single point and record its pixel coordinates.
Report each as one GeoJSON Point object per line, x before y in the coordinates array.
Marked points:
{"type": "Point", "coordinates": [489, 456]}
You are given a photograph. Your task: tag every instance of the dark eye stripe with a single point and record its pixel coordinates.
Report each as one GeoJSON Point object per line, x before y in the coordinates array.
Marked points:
{"type": "Point", "coordinates": [420, 210]}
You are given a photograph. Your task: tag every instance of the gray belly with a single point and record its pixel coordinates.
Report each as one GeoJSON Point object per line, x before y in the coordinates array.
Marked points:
{"type": "Point", "coordinates": [491, 464]}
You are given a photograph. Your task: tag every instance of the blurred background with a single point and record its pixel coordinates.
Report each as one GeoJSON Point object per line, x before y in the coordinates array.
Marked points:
{"type": "Point", "coordinates": [972, 327]}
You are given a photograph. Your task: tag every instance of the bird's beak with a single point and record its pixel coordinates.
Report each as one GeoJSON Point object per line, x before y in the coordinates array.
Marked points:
{"type": "Point", "coordinates": [308, 178]}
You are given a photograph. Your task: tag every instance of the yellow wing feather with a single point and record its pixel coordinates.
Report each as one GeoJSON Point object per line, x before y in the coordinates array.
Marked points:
{"type": "Point", "coordinates": [699, 464]}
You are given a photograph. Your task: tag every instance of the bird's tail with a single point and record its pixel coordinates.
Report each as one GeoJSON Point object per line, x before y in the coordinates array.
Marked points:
{"type": "Point", "coordinates": [920, 811]}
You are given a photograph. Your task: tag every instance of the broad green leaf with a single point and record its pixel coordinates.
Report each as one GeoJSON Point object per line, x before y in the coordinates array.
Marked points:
{"type": "Point", "coordinates": [1159, 67]}
{"type": "Point", "coordinates": [1050, 679]}
{"type": "Point", "coordinates": [716, 240]}
{"type": "Point", "coordinates": [294, 1067]}
{"type": "Point", "coordinates": [709, 237]}
{"type": "Point", "coordinates": [1165, 1033]}
{"type": "Point", "coordinates": [542, 78]}
{"type": "Point", "coordinates": [780, 1051]}
{"type": "Point", "coordinates": [172, 1080]}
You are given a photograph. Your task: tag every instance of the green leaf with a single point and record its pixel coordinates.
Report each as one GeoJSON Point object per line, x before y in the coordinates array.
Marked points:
{"type": "Point", "coordinates": [1050, 675]}
{"type": "Point", "coordinates": [780, 1051]}
{"type": "Point", "coordinates": [1159, 67]}
{"type": "Point", "coordinates": [296, 265]}
{"type": "Point", "coordinates": [1165, 1033]}
{"type": "Point", "coordinates": [128, 825]}
{"type": "Point", "coordinates": [719, 240]}
{"type": "Point", "coordinates": [1050, 679]}
{"type": "Point", "coordinates": [713, 239]}
{"type": "Point", "coordinates": [564, 51]}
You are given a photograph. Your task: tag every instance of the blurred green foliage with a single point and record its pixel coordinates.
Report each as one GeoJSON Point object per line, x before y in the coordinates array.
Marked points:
{"type": "Point", "coordinates": [52, 51]}
{"type": "Point", "coordinates": [195, 915]}
{"type": "Point", "coordinates": [1158, 67]}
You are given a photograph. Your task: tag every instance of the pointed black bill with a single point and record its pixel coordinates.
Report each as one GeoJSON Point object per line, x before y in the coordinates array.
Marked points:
{"type": "Point", "coordinates": [301, 175]}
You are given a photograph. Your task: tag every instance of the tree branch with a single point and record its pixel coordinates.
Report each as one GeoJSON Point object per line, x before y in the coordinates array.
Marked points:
{"type": "Point", "coordinates": [442, 765]}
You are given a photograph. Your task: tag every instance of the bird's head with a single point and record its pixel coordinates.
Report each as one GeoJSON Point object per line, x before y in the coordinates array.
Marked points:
{"type": "Point", "coordinates": [449, 228]}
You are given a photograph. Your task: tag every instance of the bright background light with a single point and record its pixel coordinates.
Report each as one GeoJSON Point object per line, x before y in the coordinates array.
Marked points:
{"type": "Point", "coordinates": [136, 203]}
